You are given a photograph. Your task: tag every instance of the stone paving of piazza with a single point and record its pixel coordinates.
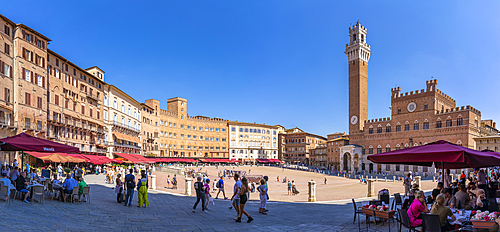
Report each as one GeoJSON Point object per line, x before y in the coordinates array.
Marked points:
{"type": "Point", "coordinates": [172, 212]}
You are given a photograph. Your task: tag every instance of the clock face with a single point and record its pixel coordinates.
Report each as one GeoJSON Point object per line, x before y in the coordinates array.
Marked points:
{"type": "Point", "coordinates": [411, 107]}
{"type": "Point", "coordinates": [354, 120]}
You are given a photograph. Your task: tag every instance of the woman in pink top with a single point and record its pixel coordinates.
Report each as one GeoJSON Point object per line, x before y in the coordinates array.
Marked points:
{"type": "Point", "coordinates": [418, 206]}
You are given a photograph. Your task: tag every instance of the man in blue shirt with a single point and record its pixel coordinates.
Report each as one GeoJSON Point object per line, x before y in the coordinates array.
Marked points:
{"type": "Point", "coordinates": [220, 185]}
{"type": "Point", "coordinates": [129, 185]}
{"type": "Point", "coordinates": [68, 186]}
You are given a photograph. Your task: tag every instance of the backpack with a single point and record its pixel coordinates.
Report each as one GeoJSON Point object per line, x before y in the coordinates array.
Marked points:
{"type": "Point", "coordinates": [218, 184]}
{"type": "Point", "coordinates": [130, 183]}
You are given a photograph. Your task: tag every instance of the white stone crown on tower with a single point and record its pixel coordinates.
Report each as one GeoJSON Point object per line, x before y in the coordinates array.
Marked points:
{"type": "Point", "coordinates": [357, 48]}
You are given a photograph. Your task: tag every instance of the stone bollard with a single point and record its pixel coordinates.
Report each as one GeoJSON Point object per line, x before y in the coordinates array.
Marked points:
{"type": "Point", "coordinates": [371, 188]}
{"type": "Point", "coordinates": [312, 191]}
{"type": "Point", "coordinates": [386, 179]}
{"type": "Point", "coordinates": [417, 181]}
{"type": "Point", "coordinates": [344, 174]}
{"type": "Point", "coordinates": [433, 178]}
{"type": "Point", "coordinates": [188, 187]}
{"type": "Point", "coordinates": [393, 178]}
{"type": "Point", "coordinates": [153, 182]}
{"type": "Point", "coordinates": [376, 178]}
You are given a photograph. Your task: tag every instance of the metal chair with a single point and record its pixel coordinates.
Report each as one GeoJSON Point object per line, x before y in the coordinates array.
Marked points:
{"type": "Point", "coordinates": [430, 223]}
{"type": "Point", "coordinates": [74, 193]}
{"type": "Point", "coordinates": [15, 190]}
{"type": "Point", "coordinates": [50, 190]}
{"type": "Point", "coordinates": [404, 220]}
{"type": "Point", "coordinates": [384, 198]}
{"type": "Point", "coordinates": [396, 201]}
{"type": "Point", "coordinates": [86, 193]}
{"type": "Point", "coordinates": [5, 190]}
{"type": "Point", "coordinates": [37, 191]}
{"type": "Point", "coordinates": [357, 210]}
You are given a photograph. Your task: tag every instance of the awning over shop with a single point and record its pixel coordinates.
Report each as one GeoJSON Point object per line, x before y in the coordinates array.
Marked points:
{"type": "Point", "coordinates": [126, 137]}
{"type": "Point", "coordinates": [24, 142]}
{"type": "Point", "coordinates": [269, 161]}
{"type": "Point", "coordinates": [135, 158]}
{"type": "Point", "coordinates": [218, 161]}
{"type": "Point", "coordinates": [175, 160]}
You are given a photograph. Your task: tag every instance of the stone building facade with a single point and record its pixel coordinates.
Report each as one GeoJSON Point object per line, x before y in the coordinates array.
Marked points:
{"type": "Point", "coordinates": [334, 143]}
{"type": "Point", "coordinates": [122, 115]}
{"type": "Point", "coordinates": [182, 135]}
{"type": "Point", "coordinates": [296, 145]}
{"type": "Point", "coordinates": [74, 112]}
{"type": "Point", "coordinates": [150, 129]}
{"type": "Point", "coordinates": [418, 117]}
{"type": "Point", "coordinates": [250, 141]}
{"type": "Point", "coordinates": [319, 156]}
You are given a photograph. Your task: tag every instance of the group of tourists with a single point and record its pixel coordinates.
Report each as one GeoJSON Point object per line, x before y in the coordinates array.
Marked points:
{"type": "Point", "coordinates": [239, 198]}
{"type": "Point", "coordinates": [125, 187]}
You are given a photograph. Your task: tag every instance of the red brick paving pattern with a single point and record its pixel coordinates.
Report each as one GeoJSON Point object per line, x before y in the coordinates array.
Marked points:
{"type": "Point", "coordinates": [337, 188]}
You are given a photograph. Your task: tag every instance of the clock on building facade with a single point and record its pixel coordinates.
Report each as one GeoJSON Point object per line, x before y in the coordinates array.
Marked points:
{"type": "Point", "coordinates": [411, 107]}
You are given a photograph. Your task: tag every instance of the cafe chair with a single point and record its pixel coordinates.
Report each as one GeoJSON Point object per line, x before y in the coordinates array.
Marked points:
{"type": "Point", "coordinates": [357, 210]}
{"type": "Point", "coordinates": [430, 223]}
{"type": "Point", "coordinates": [384, 198]}
{"type": "Point", "coordinates": [74, 193]}
{"type": "Point", "coordinates": [86, 193]}
{"type": "Point", "coordinates": [5, 190]}
{"type": "Point", "coordinates": [396, 201]}
{"type": "Point", "coordinates": [50, 191]}
{"type": "Point", "coordinates": [37, 191]}
{"type": "Point", "coordinates": [16, 192]}
{"type": "Point", "coordinates": [404, 220]}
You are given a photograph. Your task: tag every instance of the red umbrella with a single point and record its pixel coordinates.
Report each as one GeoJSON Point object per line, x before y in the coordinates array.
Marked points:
{"type": "Point", "coordinates": [439, 153]}
{"type": "Point", "coordinates": [24, 142]}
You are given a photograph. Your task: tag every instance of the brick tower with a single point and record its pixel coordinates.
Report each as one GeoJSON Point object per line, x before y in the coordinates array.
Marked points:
{"type": "Point", "coordinates": [358, 53]}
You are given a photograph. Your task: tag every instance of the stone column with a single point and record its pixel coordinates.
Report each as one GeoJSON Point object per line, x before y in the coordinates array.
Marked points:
{"type": "Point", "coordinates": [371, 188]}
{"type": "Point", "coordinates": [386, 179]}
{"type": "Point", "coordinates": [312, 191]}
{"type": "Point", "coordinates": [417, 181]}
{"type": "Point", "coordinates": [188, 187]}
{"type": "Point", "coordinates": [393, 178]}
{"type": "Point", "coordinates": [433, 178]}
{"type": "Point", "coordinates": [153, 182]}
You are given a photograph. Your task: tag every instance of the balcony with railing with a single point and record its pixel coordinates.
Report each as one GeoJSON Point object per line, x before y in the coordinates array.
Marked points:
{"type": "Point", "coordinates": [116, 144]}
{"type": "Point", "coordinates": [6, 121]}
{"type": "Point", "coordinates": [52, 118]}
{"type": "Point", "coordinates": [93, 96]}
{"type": "Point", "coordinates": [122, 125]}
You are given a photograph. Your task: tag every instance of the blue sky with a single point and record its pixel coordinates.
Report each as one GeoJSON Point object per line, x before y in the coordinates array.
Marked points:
{"type": "Point", "coordinates": [276, 62]}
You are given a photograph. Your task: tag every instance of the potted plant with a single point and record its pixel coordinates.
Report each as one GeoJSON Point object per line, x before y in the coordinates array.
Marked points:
{"type": "Point", "coordinates": [483, 220]}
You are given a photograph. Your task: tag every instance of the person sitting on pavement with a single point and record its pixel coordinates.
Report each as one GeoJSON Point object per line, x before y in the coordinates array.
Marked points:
{"type": "Point", "coordinates": [68, 186]}
{"type": "Point", "coordinates": [443, 212]}
{"type": "Point", "coordinates": [21, 185]}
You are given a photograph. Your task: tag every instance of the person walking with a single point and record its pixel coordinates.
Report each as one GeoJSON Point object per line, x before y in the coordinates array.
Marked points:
{"type": "Point", "coordinates": [407, 183]}
{"type": "Point", "coordinates": [142, 187]}
{"type": "Point", "coordinates": [200, 194]}
{"type": "Point", "coordinates": [262, 196]}
{"type": "Point", "coordinates": [168, 181]}
{"type": "Point", "coordinates": [220, 185]}
{"type": "Point", "coordinates": [243, 200]}
{"type": "Point", "coordinates": [289, 187]}
{"type": "Point", "coordinates": [207, 193]}
{"type": "Point", "coordinates": [325, 180]}
{"type": "Point", "coordinates": [174, 182]}
{"type": "Point", "coordinates": [129, 185]}
{"type": "Point", "coordinates": [119, 188]}
{"type": "Point", "coordinates": [236, 196]}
